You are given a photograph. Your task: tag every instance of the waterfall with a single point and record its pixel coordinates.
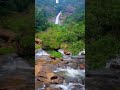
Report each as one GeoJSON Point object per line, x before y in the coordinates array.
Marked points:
{"type": "Point", "coordinates": [57, 18]}
{"type": "Point", "coordinates": [57, 1]}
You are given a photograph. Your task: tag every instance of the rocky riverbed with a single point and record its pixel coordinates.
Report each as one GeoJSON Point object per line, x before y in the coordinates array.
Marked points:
{"type": "Point", "coordinates": [67, 73]}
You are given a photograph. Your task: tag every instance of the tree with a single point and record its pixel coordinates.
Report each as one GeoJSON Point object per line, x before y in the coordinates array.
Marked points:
{"type": "Point", "coordinates": [40, 20]}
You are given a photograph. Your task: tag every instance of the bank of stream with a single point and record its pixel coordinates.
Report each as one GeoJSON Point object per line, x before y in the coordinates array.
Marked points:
{"type": "Point", "coordinates": [66, 73]}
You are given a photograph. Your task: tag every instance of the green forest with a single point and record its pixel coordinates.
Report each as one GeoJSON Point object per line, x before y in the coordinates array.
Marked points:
{"type": "Point", "coordinates": [102, 32]}
{"type": "Point", "coordinates": [70, 35]}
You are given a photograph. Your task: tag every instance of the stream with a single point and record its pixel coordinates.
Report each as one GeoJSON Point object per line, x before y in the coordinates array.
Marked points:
{"type": "Point", "coordinates": [63, 75]}
{"type": "Point", "coordinates": [66, 73]}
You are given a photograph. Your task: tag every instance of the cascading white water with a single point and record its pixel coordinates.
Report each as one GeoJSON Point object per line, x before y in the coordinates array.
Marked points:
{"type": "Point", "coordinates": [65, 57]}
{"type": "Point", "coordinates": [57, 21]}
{"type": "Point", "coordinates": [57, 1]}
{"type": "Point", "coordinates": [43, 88]}
{"type": "Point", "coordinates": [68, 86]}
{"type": "Point", "coordinates": [40, 52]}
{"type": "Point", "coordinates": [71, 72]}
{"type": "Point", "coordinates": [82, 52]}
{"type": "Point", "coordinates": [61, 51]}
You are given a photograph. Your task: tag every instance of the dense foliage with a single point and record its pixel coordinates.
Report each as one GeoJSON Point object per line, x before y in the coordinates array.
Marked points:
{"type": "Point", "coordinates": [40, 20]}
{"type": "Point", "coordinates": [102, 32]}
{"type": "Point", "coordinates": [69, 36]}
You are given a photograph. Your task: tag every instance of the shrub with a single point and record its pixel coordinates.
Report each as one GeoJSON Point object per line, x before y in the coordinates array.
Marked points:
{"type": "Point", "coordinates": [56, 54]}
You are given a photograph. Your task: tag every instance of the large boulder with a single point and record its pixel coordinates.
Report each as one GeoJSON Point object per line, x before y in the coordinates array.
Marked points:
{"type": "Point", "coordinates": [66, 52]}
{"type": "Point", "coordinates": [38, 41]}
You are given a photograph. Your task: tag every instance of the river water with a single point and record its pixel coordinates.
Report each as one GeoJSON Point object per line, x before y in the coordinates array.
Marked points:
{"type": "Point", "coordinates": [59, 74]}
{"type": "Point", "coordinates": [73, 76]}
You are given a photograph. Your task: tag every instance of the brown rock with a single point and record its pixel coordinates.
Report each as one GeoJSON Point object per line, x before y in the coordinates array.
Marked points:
{"type": "Point", "coordinates": [66, 52]}
{"type": "Point", "coordinates": [44, 72]}
{"type": "Point", "coordinates": [54, 79]}
{"type": "Point", "coordinates": [82, 66]}
{"type": "Point", "coordinates": [37, 69]}
{"type": "Point", "coordinates": [52, 57]}
{"type": "Point", "coordinates": [38, 41]}
{"type": "Point", "coordinates": [61, 59]}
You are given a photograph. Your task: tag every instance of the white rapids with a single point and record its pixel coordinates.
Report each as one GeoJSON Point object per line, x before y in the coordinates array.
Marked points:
{"type": "Point", "coordinates": [71, 72]}
{"type": "Point", "coordinates": [68, 86]}
{"type": "Point", "coordinates": [40, 53]}
{"type": "Point", "coordinates": [82, 52]}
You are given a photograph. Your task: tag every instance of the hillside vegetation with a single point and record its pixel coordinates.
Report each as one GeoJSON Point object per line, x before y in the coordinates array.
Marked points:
{"type": "Point", "coordinates": [69, 36]}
